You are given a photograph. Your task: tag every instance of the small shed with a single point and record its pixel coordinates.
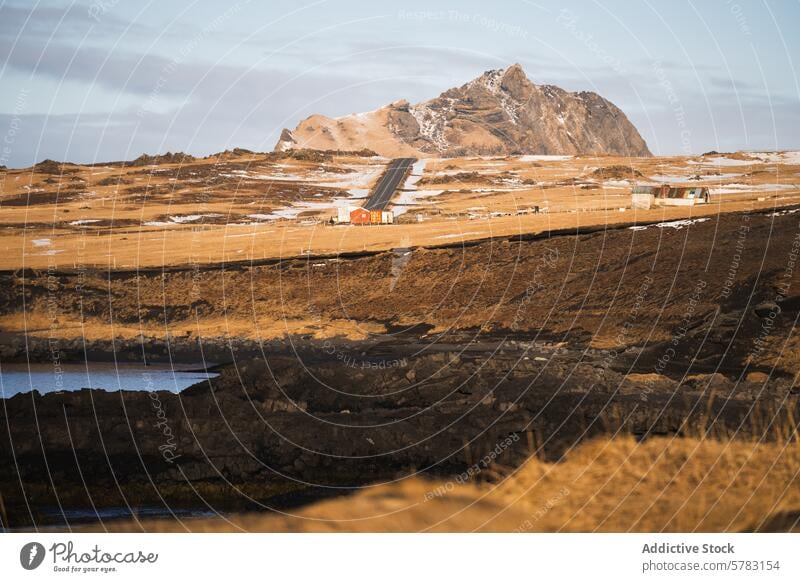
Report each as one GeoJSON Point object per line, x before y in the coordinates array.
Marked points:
{"type": "Point", "coordinates": [387, 217]}
{"type": "Point", "coordinates": [360, 216]}
{"type": "Point", "coordinates": [642, 197]}
{"type": "Point", "coordinates": [343, 214]}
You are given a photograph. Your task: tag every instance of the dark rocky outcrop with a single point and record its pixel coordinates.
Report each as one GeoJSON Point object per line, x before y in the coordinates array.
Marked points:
{"type": "Point", "coordinates": [167, 158]}
{"type": "Point", "coordinates": [269, 426]}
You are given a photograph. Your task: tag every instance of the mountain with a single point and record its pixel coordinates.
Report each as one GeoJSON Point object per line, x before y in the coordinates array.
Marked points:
{"type": "Point", "coordinates": [500, 112]}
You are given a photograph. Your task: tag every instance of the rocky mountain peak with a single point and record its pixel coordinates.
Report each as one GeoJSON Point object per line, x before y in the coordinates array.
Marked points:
{"type": "Point", "coordinates": [499, 112]}
{"type": "Point", "coordinates": [496, 81]}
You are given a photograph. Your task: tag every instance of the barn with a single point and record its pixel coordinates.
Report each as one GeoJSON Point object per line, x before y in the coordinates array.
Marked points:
{"type": "Point", "coordinates": [360, 216]}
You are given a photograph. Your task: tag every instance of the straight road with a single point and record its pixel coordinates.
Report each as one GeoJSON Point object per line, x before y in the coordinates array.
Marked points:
{"type": "Point", "coordinates": [385, 188]}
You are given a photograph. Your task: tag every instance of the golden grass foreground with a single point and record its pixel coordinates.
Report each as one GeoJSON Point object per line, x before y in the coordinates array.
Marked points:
{"type": "Point", "coordinates": [662, 484]}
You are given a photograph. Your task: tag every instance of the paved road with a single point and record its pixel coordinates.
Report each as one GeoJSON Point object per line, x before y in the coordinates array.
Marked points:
{"type": "Point", "coordinates": [385, 188]}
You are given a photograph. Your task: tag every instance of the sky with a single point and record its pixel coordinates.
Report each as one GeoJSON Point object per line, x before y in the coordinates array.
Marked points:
{"type": "Point", "coordinates": [109, 80]}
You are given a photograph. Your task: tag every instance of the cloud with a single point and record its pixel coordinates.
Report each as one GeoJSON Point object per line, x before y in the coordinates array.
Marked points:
{"type": "Point", "coordinates": [42, 22]}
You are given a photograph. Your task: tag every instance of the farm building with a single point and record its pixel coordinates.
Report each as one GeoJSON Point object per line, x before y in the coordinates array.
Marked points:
{"type": "Point", "coordinates": [363, 216]}
{"type": "Point", "coordinates": [666, 195]}
{"type": "Point", "coordinates": [642, 197]}
{"type": "Point", "coordinates": [359, 216]}
{"type": "Point", "coordinates": [381, 217]}
{"type": "Point", "coordinates": [343, 215]}
{"type": "Point", "coordinates": [683, 196]}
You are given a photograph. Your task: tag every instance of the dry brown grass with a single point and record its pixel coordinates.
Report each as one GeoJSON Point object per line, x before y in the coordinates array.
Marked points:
{"type": "Point", "coordinates": [131, 231]}
{"type": "Point", "coordinates": [608, 484]}
{"type": "Point", "coordinates": [658, 485]}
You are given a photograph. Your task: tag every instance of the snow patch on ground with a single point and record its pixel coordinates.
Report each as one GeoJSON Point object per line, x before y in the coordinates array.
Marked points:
{"type": "Point", "coordinates": [84, 221]}
{"type": "Point", "coordinates": [41, 242]}
{"type": "Point", "coordinates": [684, 179]}
{"type": "Point", "coordinates": [482, 190]}
{"type": "Point", "coordinates": [408, 199]}
{"type": "Point", "coordinates": [458, 235]}
{"type": "Point", "coordinates": [723, 162]}
{"type": "Point", "coordinates": [180, 219]}
{"type": "Point", "coordinates": [544, 158]}
{"type": "Point", "coordinates": [409, 195]}
{"type": "Point", "coordinates": [784, 212]}
{"type": "Point", "coordinates": [359, 177]}
{"type": "Point", "coordinates": [739, 188]}
{"type": "Point", "coordinates": [417, 169]}
{"type": "Point", "coordinates": [676, 224]}
{"type": "Point", "coordinates": [292, 212]}
{"type": "Point", "coordinates": [790, 157]}
{"type": "Point", "coordinates": [192, 217]}
{"type": "Point", "coordinates": [667, 178]}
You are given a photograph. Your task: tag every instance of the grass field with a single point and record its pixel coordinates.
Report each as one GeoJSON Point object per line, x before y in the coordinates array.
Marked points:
{"type": "Point", "coordinates": [249, 207]}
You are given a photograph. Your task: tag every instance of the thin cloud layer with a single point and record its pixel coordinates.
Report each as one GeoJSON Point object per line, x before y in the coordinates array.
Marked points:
{"type": "Point", "coordinates": [99, 81]}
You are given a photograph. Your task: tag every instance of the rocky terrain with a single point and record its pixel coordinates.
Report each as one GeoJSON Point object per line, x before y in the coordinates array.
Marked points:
{"type": "Point", "coordinates": [517, 347]}
{"type": "Point", "coordinates": [499, 113]}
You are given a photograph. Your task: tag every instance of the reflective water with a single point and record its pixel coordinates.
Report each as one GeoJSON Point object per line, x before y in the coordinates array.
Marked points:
{"type": "Point", "coordinates": [17, 378]}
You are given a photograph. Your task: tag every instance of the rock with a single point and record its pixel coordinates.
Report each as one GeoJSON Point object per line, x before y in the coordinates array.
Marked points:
{"type": "Point", "coordinates": [767, 309]}
{"type": "Point", "coordinates": [500, 113]}
{"type": "Point", "coordinates": [757, 377]}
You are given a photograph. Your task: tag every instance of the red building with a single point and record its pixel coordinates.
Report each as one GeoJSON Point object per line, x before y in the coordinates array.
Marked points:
{"type": "Point", "coordinates": [359, 216]}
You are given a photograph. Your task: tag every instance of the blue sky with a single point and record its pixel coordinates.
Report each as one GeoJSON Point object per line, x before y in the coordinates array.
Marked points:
{"type": "Point", "coordinates": [110, 79]}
